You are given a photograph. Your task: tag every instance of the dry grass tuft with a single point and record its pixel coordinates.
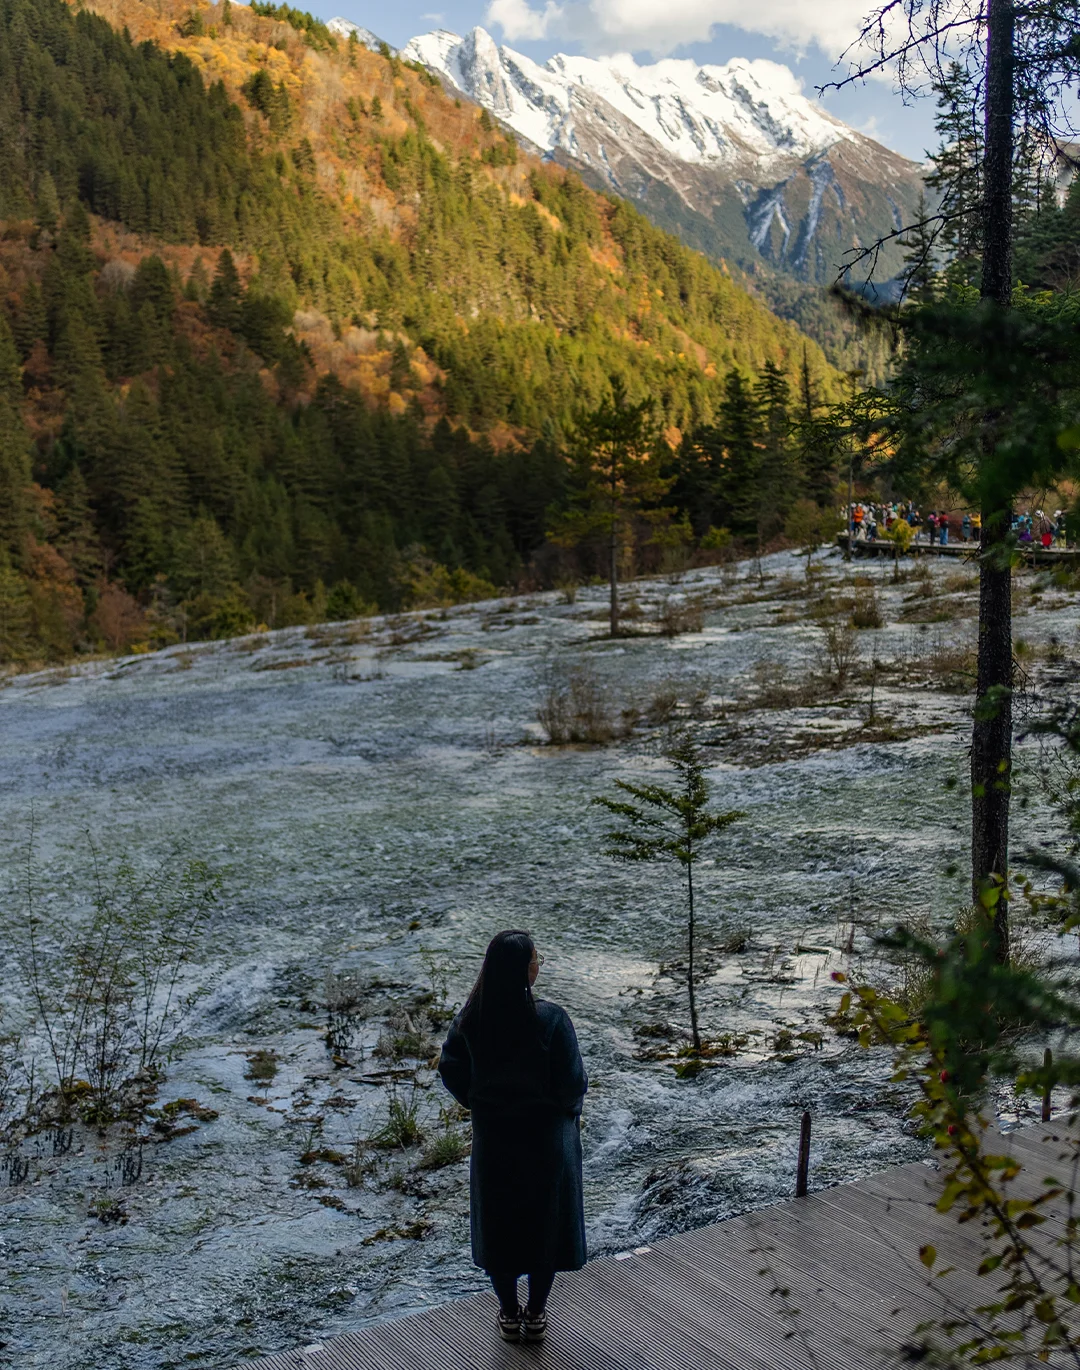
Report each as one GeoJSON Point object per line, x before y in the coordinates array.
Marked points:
{"type": "Point", "coordinates": [578, 709]}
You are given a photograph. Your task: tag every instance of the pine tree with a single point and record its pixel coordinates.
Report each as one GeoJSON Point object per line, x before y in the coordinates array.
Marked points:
{"type": "Point", "coordinates": [821, 449]}
{"type": "Point", "coordinates": [774, 478]}
{"type": "Point", "coordinates": [154, 286]}
{"type": "Point", "coordinates": [224, 301]}
{"type": "Point", "coordinates": [737, 454]}
{"type": "Point", "coordinates": [31, 323]}
{"type": "Point", "coordinates": [202, 562]}
{"type": "Point", "coordinates": [400, 369]}
{"type": "Point", "coordinates": [331, 489]}
{"type": "Point", "coordinates": [14, 449]}
{"type": "Point", "coordinates": [77, 538]}
{"type": "Point", "coordinates": [197, 285]}
{"type": "Point", "coordinates": [10, 371]}
{"type": "Point", "coordinates": [16, 615]}
{"type": "Point", "coordinates": [808, 395]}
{"type": "Point", "coordinates": [47, 204]}
{"type": "Point", "coordinates": [1012, 66]}
{"type": "Point", "coordinates": [816, 451]}
{"type": "Point", "coordinates": [671, 825]}
{"type": "Point", "coordinates": [614, 475]}
{"type": "Point", "coordinates": [921, 276]}
{"type": "Point", "coordinates": [957, 173]}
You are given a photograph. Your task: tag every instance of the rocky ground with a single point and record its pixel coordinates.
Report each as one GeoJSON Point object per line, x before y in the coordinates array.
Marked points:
{"type": "Point", "coordinates": [375, 800]}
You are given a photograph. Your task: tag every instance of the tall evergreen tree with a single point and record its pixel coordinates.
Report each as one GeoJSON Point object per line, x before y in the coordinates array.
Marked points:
{"type": "Point", "coordinates": [737, 454]}
{"type": "Point", "coordinates": [957, 170]}
{"type": "Point", "coordinates": [31, 324]}
{"type": "Point", "coordinates": [775, 481]}
{"type": "Point", "coordinates": [77, 538]}
{"type": "Point", "coordinates": [808, 394]}
{"type": "Point", "coordinates": [224, 303]}
{"type": "Point", "coordinates": [47, 203]}
{"type": "Point", "coordinates": [16, 614]}
{"type": "Point", "coordinates": [614, 475]}
{"type": "Point", "coordinates": [14, 449]}
{"type": "Point", "coordinates": [202, 561]}
{"type": "Point", "coordinates": [1028, 64]}
{"type": "Point", "coordinates": [920, 257]}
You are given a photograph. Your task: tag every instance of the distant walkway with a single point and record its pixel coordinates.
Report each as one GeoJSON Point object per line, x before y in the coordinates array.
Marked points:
{"type": "Point", "coordinates": [829, 1282]}
{"type": "Point", "coordinates": [882, 547]}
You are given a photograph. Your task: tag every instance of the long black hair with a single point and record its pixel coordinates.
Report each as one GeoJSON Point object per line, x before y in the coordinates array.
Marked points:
{"type": "Point", "coordinates": [500, 1010]}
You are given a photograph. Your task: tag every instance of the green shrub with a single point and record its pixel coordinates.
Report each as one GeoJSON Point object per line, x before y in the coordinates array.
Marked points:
{"type": "Point", "coordinates": [402, 1128]}
{"type": "Point", "coordinates": [445, 1149]}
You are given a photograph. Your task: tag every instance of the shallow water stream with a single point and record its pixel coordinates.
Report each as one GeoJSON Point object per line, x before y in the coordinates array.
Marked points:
{"type": "Point", "coordinates": [384, 805]}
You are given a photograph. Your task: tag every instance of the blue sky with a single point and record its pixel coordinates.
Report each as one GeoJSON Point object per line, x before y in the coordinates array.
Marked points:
{"type": "Point", "coordinates": [806, 35]}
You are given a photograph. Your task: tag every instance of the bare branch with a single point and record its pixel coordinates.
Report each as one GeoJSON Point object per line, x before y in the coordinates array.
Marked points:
{"type": "Point", "coordinates": [886, 58]}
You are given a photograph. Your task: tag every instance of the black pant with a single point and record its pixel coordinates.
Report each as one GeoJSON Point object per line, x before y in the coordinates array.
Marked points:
{"type": "Point", "coordinates": [505, 1287]}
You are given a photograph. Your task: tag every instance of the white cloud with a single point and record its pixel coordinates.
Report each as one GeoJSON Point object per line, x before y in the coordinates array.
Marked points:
{"type": "Point", "coordinates": [519, 21]}
{"type": "Point", "coordinates": [649, 26]}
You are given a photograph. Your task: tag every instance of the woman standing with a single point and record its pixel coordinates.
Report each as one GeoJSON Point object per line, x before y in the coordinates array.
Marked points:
{"type": "Point", "coordinates": [514, 1061]}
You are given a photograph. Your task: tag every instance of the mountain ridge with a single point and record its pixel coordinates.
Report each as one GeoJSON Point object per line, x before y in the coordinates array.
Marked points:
{"type": "Point", "coordinates": [285, 330]}
{"type": "Point", "coordinates": [767, 176]}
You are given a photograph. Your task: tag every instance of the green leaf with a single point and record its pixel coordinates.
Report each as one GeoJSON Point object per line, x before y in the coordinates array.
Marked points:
{"type": "Point", "coordinates": [1069, 440]}
{"type": "Point", "coordinates": [928, 1255]}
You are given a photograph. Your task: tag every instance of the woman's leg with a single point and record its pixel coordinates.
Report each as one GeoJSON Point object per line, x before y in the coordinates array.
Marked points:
{"type": "Point", "coordinates": [539, 1289]}
{"type": "Point", "coordinates": [505, 1287]}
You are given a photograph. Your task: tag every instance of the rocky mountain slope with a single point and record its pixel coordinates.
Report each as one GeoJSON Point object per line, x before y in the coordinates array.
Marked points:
{"type": "Point", "coordinates": [734, 158]}
{"type": "Point", "coordinates": [281, 320]}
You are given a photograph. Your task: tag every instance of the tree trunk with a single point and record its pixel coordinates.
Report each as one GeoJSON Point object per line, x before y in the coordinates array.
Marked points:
{"type": "Point", "coordinates": [991, 742]}
{"type": "Point", "coordinates": [695, 1034]}
{"type": "Point", "coordinates": [996, 283]}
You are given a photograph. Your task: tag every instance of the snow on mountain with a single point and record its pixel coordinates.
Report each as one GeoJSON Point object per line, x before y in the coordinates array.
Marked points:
{"type": "Point", "coordinates": [733, 158]}
{"type": "Point", "coordinates": [345, 27]}
{"type": "Point", "coordinates": [698, 114]}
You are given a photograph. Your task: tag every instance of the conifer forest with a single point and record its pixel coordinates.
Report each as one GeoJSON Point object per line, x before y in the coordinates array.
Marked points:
{"type": "Point", "coordinates": [402, 540]}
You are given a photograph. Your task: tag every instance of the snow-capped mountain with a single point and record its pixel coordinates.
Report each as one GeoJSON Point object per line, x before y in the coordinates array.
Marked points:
{"type": "Point", "coordinates": [734, 158]}
{"type": "Point", "coordinates": [345, 27]}
{"type": "Point", "coordinates": [696, 114]}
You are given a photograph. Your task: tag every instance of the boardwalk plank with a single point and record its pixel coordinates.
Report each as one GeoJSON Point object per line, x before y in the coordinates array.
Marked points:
{"type": "Point", "coordinates": [728, 1281]}
{"type": "Point", "coordinates": [832, 1280]}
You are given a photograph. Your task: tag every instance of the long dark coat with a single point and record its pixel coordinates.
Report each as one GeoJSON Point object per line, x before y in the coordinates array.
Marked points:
{"type": "Point", "coordinates": [527, 1210]}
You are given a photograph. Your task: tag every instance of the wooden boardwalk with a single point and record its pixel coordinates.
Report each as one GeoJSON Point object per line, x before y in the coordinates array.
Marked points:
{"type": "Point", "coordinates": [833, 1281]}
{"type": "Point", "coordinates": [1031, 552]}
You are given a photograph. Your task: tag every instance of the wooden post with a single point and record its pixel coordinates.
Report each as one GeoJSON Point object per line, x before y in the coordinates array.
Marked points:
{"type": "Point", "coordinates": [804, 1158]}
{"type": "Point", "coordinates": [1048, 1061]}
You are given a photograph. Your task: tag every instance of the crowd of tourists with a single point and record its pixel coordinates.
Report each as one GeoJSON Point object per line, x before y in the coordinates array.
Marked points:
{"type": "Point", "coordinates": [868, 522]}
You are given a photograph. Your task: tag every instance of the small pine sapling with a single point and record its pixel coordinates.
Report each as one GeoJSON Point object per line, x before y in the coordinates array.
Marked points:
{"type": "Point", "coordinates": [670, 825]}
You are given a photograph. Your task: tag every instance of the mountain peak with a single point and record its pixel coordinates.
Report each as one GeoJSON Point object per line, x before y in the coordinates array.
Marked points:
{"type": "Point", "coordinates": [734, 140]}
{"type": "Point", "coordinates": [346, 28]}
{"type": "Point", "coordinates": [698, 113]}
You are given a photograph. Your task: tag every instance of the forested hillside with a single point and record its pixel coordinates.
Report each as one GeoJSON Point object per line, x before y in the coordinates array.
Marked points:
{"type": "Point", "coordinates": [280, 321]}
